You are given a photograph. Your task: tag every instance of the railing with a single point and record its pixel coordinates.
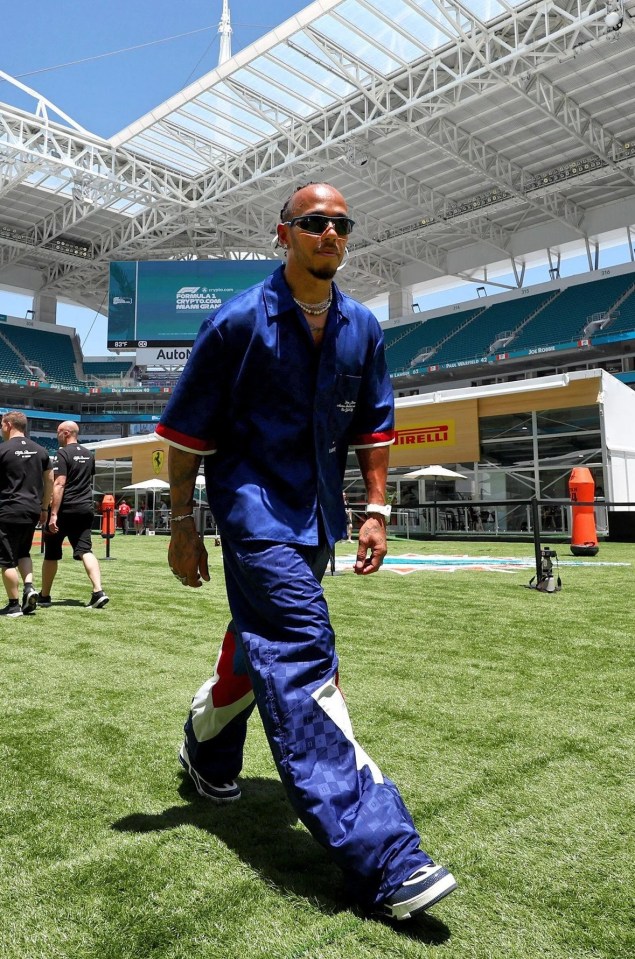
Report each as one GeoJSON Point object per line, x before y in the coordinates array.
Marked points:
{"type": "Point", "coordinates": [444, 518]}
{"type": "Point", "coordinates": [489, 517]}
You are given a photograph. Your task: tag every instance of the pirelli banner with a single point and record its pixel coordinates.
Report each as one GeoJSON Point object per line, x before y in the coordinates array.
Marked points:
{"type": "Point", "coordinates": [436, 433]}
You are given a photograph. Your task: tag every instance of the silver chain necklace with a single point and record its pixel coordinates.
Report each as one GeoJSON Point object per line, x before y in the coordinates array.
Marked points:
{"type": "Point", "coordinates": [314, 309]}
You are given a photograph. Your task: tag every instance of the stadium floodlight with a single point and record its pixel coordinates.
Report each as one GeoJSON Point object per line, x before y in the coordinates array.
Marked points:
{"type": "Point", "coordinates": [614, 15]}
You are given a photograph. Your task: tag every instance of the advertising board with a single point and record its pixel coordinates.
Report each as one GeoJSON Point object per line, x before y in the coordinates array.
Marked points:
{"type": "Point", "coordinates": [154, 303]}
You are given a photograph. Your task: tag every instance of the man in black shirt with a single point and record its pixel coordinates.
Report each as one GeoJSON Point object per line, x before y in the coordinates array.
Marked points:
{"type": "Point", "coordinates": [72, 515]}
{"type": "Point", "coordinates": [26, 483]}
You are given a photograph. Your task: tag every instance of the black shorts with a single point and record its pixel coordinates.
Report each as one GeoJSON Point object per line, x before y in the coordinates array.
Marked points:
{"type": "Point", "coordinates": [77, 528]}
{"type": "Point", "coordinates": [15, 543]}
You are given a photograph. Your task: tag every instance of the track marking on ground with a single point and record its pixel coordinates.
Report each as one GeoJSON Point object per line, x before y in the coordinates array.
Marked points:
{"type": "Point", "coordinates": [417, 563]}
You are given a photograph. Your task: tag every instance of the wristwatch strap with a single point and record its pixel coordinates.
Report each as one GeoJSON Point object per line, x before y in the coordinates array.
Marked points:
{"type": "Point", "coordinates": [377, 509]}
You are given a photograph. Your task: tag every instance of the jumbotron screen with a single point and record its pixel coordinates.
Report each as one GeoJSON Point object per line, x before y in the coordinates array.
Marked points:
{"type": "Point", "coordinates": [154, 303]}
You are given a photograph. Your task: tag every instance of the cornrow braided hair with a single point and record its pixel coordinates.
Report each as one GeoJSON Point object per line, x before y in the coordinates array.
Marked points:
{"type": "Point", "coordinates": [285, 212]}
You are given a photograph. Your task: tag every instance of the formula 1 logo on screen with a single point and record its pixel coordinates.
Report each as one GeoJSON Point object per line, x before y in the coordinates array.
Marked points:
{"type": "Point", "coordinates": [197, 298]}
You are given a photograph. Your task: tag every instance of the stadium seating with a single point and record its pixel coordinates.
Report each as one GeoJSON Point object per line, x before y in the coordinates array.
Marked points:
{"type": "Point", "coordinates": [566, 316]}
{"type": "Point", "coordinates": [397, 343]}
{"type": "Point", "coordinates": [11, 366]}
{"type": "Point", "coordinates": [52, 352]}
{"type": "Point", "coordinates": [625, 315]}
{"type": "Point", "coordinates": [478, 338]}
{"type": "Point", "coordinates": [531, 321]}
{"type": "Point", "coordinates": [48, 442]}
{"type": "Point", "coordinates": [553, 316]}
{"type": "Point", "coordinates": [404, 350]}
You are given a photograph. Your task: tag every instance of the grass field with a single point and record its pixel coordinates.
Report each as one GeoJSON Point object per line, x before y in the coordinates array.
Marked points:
{"type": "Point", "coordinates": [505, 715]}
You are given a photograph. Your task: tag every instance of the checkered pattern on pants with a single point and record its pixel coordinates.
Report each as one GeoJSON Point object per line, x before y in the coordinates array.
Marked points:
{"type": "Point", "coordinates": [280, 653]}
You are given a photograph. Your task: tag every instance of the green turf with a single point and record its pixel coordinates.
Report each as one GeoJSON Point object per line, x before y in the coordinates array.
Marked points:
{"type": "Point", "coordinates": [505, 715]}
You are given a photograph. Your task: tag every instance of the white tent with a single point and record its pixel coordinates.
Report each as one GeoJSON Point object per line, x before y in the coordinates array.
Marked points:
{"type": "Point", "coordinates": [149, 486]}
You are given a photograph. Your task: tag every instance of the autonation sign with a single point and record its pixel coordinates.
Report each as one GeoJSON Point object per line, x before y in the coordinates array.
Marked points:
{"type": "Point", "coordinates": [163, 356]}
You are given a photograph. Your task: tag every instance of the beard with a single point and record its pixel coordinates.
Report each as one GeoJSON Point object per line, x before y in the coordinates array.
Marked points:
{"type": "Point", "coordinates": [326, 272]}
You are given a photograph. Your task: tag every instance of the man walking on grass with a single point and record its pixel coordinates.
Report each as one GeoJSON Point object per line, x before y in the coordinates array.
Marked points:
{"type": "Point", "coordinates": [26, 482]}
{"type": "Point", "coordinates": [281, 381]}
{"type": "Point", "coordinates": [72, 514]}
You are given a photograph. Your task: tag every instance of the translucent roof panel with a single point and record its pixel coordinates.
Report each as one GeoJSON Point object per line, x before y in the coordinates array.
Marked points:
{"type": "Point", "coordinates": [220, 131]}
{"type": "Point", "coordinates": [52, 184]}
{"type": "Point", "coordinates": [272, 82]}
{"type": "Point", "coordinates": [339, 86]}
{"type": "Point", "coordinates": [387, 35]}
{"type": "Point", "coordinates": [172, 150]}
{"type": "Point", "coordinates": [226, 109]}
{"type": "Point", "coordinates": [285, 77]}
{"type": "Point", "coordinates": [299, 61]}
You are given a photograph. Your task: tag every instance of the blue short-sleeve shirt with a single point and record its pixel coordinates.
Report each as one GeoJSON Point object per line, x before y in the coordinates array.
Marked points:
{"type": "Point", "coordinates": [279, 415]}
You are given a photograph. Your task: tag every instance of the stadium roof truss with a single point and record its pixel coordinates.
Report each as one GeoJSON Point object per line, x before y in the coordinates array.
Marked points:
{"type": "Point", "coordinates": [461, 135]}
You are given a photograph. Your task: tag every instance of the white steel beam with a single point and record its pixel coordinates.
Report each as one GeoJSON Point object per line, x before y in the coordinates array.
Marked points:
{"type": "Point", "coordinates": [430, 88]}
{"type": "Point", "coordinates": [577, 122]}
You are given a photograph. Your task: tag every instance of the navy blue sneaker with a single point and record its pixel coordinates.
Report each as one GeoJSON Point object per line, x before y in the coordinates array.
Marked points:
{"type": "Point", "coordinates": [217, 792]}
{"type": "Point", "coordinates": [423, 889]}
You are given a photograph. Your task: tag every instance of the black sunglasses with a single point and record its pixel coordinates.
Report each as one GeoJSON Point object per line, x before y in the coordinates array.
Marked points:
{"type": "Point", "coordinates": [317, 223]}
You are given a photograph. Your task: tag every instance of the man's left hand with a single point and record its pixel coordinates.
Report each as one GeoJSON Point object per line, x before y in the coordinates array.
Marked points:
{"type": "Point", "coordinates": [372, 547]}
{"type": "Point", "coordinates": [187, 556]}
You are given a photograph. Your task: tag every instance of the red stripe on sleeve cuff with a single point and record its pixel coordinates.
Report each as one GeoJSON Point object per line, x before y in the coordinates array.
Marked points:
{"type": "Point", "coordinates": [183, 441]}
{"type": "Point", "coordinates": [374, 439]}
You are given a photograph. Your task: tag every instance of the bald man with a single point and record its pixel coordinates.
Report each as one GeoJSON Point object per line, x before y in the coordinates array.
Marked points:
{"type": "Point", "coordinates": [72, 512]}
{"type": "Point", "coordinates": [282, 380]}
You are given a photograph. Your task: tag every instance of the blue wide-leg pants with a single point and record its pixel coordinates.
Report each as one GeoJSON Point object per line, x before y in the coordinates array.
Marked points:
{"type": "Point", "coordinates": [279, 654]}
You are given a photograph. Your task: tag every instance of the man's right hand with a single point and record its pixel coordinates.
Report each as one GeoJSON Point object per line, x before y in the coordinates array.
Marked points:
{"type": "Point", "coordinates": [187, 555]}
{"type": "Point", "coordinates": [371, 547]}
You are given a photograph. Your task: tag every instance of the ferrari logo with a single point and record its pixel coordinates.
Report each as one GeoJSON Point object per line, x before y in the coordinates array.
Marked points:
{"type": "Point", "coordinates": [158, 457]}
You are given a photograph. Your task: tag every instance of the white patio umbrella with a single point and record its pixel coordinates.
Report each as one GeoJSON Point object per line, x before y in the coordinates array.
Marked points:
{"type": "Point", "coordinates": [200, 486]}
{"type": "Point", "coordinates": [435, 473]}
{"type": "Point", "coordinates": [151, 484]}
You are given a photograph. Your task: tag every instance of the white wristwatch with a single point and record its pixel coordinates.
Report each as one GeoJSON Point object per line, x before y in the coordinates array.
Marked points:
{"type": "Point", "coordinates": [376, 509]}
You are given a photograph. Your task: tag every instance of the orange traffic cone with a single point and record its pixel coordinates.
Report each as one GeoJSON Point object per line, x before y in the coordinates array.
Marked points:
{"type": "Point", "coordinates": [584, 538]}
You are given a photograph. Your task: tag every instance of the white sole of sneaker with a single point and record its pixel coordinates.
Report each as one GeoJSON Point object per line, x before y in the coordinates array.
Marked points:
{"type": "Point", "coordinates": [425, 900]}
{"type": "Point", "coordinates": [30, 604]}
{"type": "Point", "coordinates": [99, 604]}
{"type": "Point", "coordinates": [203, 788]}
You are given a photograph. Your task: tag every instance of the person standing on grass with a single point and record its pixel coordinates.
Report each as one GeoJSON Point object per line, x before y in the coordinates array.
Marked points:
{"type": "Point", "coordinates": [281, 381]}
{"type": "Point", "coordinates": [26, 483]}
{"type": "Point", "coordinates": [138, 519]}
{"type": "Point", "coordinates": [72, 512]}
{"type": "Point", "coordinates": [124, 510]}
